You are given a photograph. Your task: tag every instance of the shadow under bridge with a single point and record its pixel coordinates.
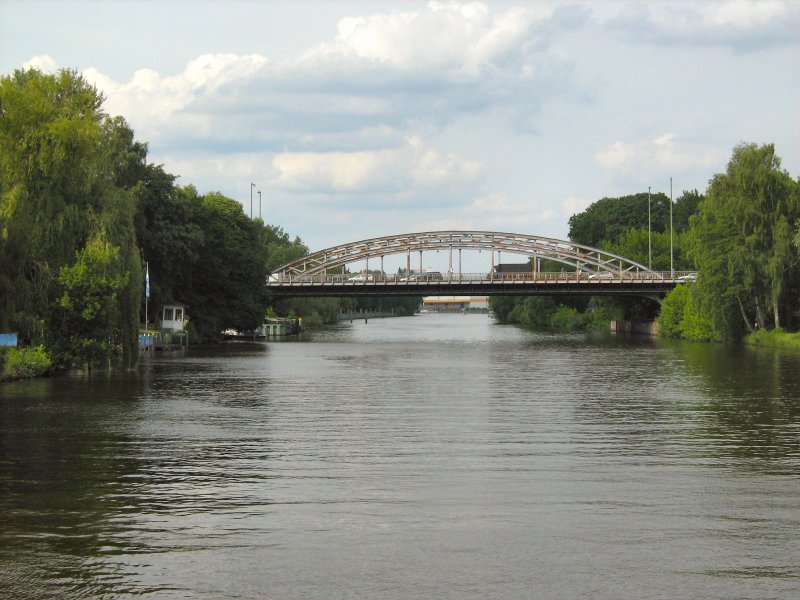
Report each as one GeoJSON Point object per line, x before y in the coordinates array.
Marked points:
{"type": "Point", "coordinates": [586, 270]}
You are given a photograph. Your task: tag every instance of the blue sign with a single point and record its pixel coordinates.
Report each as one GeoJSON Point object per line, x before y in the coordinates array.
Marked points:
{"type": "Point", "coordinates": [8, 339]}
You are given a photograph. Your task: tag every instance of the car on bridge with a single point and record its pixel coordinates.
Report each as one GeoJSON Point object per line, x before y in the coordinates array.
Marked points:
{"type": "Point", "coordinates": [426, 276]}
{"type": "Point", "coordinates": [688, 277]}
{"type": "Point", "coordinates": [602, 275]}
{"type": "Point", "coordinates": [362, 277]}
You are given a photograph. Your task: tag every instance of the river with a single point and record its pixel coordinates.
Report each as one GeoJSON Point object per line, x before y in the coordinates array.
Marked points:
{"type": "Point", "coordinates": [436, 456]}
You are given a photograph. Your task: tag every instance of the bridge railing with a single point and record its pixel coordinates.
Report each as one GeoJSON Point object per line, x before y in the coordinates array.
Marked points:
{"type": "Point", "coordinates": [454, 278]}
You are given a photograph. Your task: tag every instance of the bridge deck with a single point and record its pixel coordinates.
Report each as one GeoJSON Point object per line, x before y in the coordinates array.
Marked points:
{"type": "Point", "coordinates": [458, 284]}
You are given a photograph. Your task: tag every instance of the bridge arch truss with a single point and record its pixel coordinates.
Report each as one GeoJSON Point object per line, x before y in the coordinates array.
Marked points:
{"type": "Point", "coordinates": [578, 257]}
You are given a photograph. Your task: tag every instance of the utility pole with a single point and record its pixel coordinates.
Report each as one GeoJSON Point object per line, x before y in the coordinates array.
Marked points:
{"type": "Point", "coordinates": [259, 205]}
{"type": "Point", "coordinates": [252, 185]}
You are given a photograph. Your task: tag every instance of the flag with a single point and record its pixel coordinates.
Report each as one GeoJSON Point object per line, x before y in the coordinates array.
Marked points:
{"type": "Point", "coordinates": [147, 280]}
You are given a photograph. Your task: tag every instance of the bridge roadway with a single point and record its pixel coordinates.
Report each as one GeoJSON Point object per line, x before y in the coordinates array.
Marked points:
{"type": "Point", "coordinates": [652, 284]}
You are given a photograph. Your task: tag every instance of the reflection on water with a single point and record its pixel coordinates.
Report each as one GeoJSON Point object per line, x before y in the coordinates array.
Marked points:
{"type": "Point", "coordinates": [436, 456]}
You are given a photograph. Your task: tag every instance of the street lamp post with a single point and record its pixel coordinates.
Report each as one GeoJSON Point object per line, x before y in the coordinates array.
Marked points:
{"type": "Point", "coordinates": [671, 260]}
{"type": "Point", "coordinates": [252, 185]}
{"type": "Point", "coordinates": [649, 233]}
{"type": "Point", "coordinates": [259, 205]}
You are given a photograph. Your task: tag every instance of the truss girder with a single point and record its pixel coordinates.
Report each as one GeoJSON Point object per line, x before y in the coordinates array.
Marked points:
{"type": "Point", "coordinates": [579, 257]}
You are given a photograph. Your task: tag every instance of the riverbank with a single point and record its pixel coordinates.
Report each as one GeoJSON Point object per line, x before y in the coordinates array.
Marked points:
{"type": "Point", "coordinates": [774, 338]}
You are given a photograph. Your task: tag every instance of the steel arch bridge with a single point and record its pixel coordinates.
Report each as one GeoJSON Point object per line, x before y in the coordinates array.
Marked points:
{"type": "Point", "coordinates": [587, 270]}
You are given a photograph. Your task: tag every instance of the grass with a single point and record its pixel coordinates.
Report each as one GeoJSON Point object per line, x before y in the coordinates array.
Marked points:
{"type": "Point", "coordinates": [774, 338]}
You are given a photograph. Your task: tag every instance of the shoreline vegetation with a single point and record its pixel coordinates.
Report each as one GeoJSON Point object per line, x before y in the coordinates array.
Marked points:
{"type": "Point", "coordinates": [24, 363]}
{"type": "Point", "coordinates": [774, 338]}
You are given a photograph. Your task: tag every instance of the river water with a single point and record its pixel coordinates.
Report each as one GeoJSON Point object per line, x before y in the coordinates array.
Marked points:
{"type": "Point", "coordinates": [436, 456]}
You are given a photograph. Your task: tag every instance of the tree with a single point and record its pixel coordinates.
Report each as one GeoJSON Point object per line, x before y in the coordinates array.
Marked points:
{"type": "Point", "coordinates": [170, 237]}
{"type": "Point", "coordinates": [65, 169]}
{"type": "Point", "coordinates": [226, 287]}
{"type": "Point", "coordinates": [86, 324]}
{"type": "Point", "coordinates": [636, 244]}
{"type": "Point", "coordinates": [742, 241]}
{"type": "Point", "coordinates": [611, 218]}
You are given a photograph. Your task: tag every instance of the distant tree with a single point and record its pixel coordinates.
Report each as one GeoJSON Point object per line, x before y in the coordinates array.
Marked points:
{"type": "Point", "coordinates": [686, 206]}
{"type": "Point", "coordinates": [636, 244]}
{"type": "Point", "coordinates": [170, 237]}
{"type": "Point", "coordinates": [610, 218]}
{"type": "Point", "coordinates": [228, 281]}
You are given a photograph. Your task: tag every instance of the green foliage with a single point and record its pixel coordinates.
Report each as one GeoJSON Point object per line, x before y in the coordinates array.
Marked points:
{"type": "Point", "coordinates": [65, 168]}
{"type": "Point", "coordinates": [88, 329]}
{"type": "Point", "coordinates": [501, 306]}
{"type": "Point", "coordinates": [680, 317]}
{"type": "Point", "coordinates": [226, 286]}
{"type": "Point", "coordinates": [22, 363]}
{"type": "Point", "coordinates": [566, 319]}
{"type": "Point", "coordinates": [636, 245]}
{"type": "Point", "coordinates": [539, 313]}
{"type": "Point", "coordinates": [280, 249]}
{"type": "Point", "coordinates": [670, 318]}
{"type": "Point", "coordinates": [774, 338]}
{"type": "Point", "coordinates": [611, 218]}
{"type": "Point", "coordinates": [742, 243]}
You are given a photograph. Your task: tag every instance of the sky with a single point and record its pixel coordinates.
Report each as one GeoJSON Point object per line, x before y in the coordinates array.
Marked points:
{"type": "Point", "coordinates": [359, 119]}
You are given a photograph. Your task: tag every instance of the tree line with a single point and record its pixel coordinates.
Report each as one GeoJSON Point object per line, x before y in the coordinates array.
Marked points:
{"type": "Point", "coordinates": [83, 213]}
{"type": "Point", "coordinates": [741, 237]}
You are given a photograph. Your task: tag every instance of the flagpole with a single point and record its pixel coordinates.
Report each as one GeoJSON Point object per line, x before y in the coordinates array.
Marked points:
{"type": "Point", "coordinates": [146, 292]}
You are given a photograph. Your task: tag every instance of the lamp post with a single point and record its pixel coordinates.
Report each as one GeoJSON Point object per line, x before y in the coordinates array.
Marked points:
{"type": "Point", "coordinates": [671, 262]}
{"type": "Point", "coordinates": [649, 233]}
{"type": "Point", "coordinates": [259, 205]}
{"type": "Point", "coordinates": [252, 185]}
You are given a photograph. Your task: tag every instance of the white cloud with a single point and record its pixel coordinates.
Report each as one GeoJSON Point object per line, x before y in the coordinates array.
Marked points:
{"type": "Point", "coordinates": [43, 62]}
{"type": "Point", "coordinates": [163, 107]}
{"type": "Point", "coordinates": [743, 25]}
{"type": "Point", "coordinates": [382, 78]}
{"type": "Point", "coordinates": [664, 154]}
{"type": "Point", "coordinates": [447, 37]}
{"type": "Point", "coordinates": [571, 206]}
{"type": "Point", "coordinates": [396, 172]}
{"type": "Point", "coordinates": [498, 213]}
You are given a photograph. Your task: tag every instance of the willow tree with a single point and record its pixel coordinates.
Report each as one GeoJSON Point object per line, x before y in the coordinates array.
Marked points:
{"type": "Point", "coordinates": [63, 170]}
{"type": "Point", "coordinates": [742, 241]}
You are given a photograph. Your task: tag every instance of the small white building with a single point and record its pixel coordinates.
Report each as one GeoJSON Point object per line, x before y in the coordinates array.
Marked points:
{"type": "Point", "coordinates": [173, 317]}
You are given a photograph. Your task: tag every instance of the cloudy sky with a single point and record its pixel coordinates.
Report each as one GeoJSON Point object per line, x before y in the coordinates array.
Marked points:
{"type": "Point", "coordinates": [360, 119]}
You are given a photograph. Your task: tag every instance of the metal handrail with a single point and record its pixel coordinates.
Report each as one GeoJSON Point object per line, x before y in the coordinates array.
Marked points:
{"type": "Point", "coordinates": [383, 279]}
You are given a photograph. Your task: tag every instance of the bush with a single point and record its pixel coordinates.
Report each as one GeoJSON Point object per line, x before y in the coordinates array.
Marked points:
{"type": "Point", "coordinates": [680, 317]}
{"type": "Point", "coordinates": [670, 318]}
{"type": "Point", "coordinates": [566, 319]}
{"type": "Point", "coordinates": [22, 363]}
